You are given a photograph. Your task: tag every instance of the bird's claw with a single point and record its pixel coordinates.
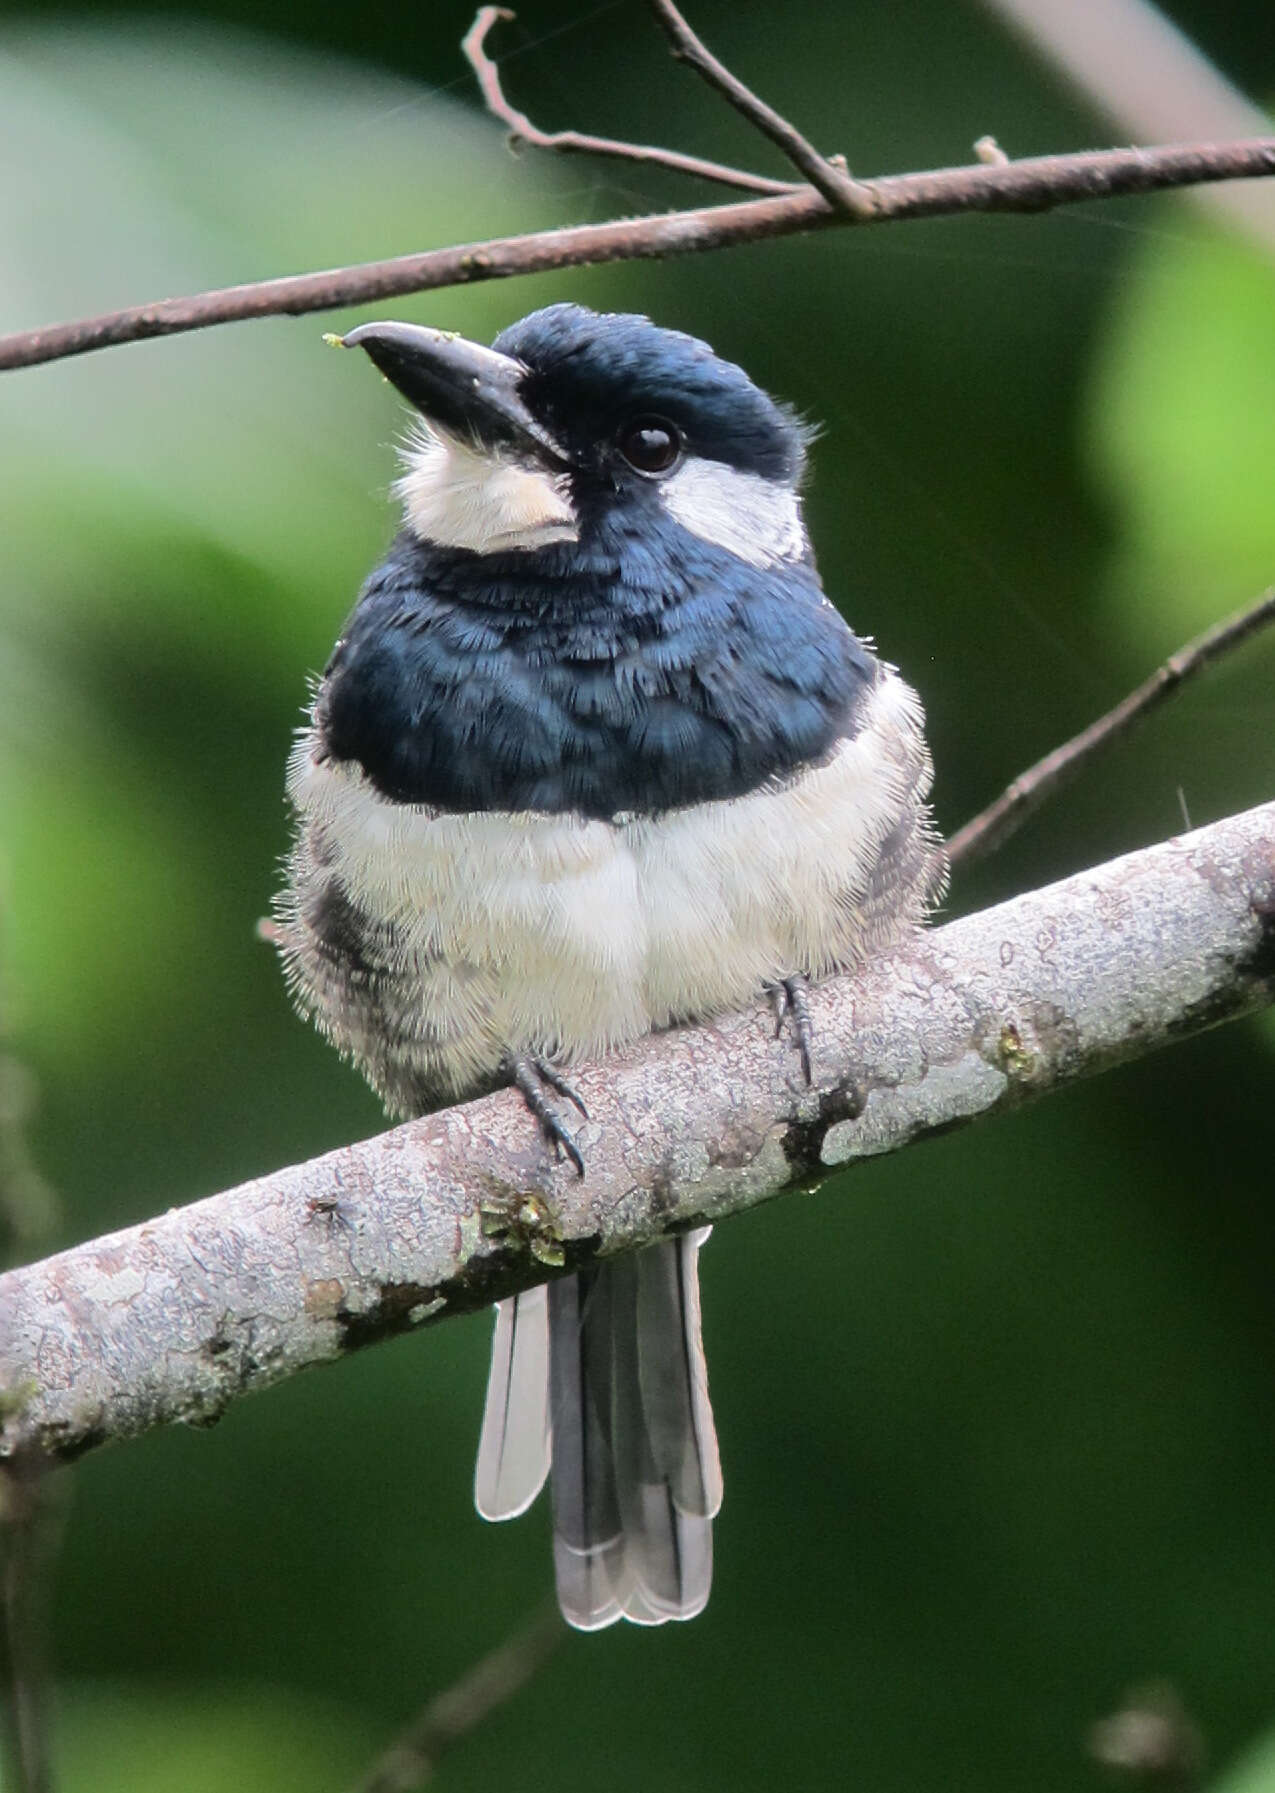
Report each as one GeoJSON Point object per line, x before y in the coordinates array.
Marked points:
{"type": "Point", "coordinates": [547, 1073]}
{"type": "Point", "coordinates": [794, 1005]}
{"type": "Point", "coordinates": [528, 1072]}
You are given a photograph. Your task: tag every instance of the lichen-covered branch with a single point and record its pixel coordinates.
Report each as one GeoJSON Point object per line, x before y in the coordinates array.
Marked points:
{"type": "Point", "coordinates": [174, 1319]}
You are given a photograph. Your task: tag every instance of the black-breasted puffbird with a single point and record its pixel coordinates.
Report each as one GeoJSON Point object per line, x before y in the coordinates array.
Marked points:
{"type": "Point", "coordinates": [593, 755]}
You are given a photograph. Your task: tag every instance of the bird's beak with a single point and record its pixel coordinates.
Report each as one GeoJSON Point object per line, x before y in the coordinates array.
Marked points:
{"type": "Point", "coordinates": [467, 390]}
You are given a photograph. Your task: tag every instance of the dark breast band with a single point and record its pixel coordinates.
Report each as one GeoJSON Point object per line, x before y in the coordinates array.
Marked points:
{"type": "Point", "coordinates": [565, 681]}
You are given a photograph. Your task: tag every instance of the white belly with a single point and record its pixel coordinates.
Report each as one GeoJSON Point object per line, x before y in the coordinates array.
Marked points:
{"type": "Point", "coordinates": [555, 933]}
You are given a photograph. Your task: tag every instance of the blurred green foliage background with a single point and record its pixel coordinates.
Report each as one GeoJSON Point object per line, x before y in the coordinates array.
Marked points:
{"type": "Point", "coordinates": [997, 1414]}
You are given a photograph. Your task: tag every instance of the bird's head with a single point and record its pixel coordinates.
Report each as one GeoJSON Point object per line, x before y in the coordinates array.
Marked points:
{"type": "Point", "coordinates": [577, 422]}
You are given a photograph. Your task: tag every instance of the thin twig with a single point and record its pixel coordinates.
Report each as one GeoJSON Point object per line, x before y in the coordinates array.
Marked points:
{"type": "Point", "coordinates": [835, 183]}
{"type": "Point", "coordinates": [474, 45]}
{"type": "Point", "coordinates": [1036, 185]}
{"type": "Point", "coordinates": [993, 825]}
{"type": "Point", "coordinates": [410, 1761]}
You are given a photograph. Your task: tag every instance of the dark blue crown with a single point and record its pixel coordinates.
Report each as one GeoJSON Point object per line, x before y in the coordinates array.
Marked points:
{"type": "Point", "coordinates": [589, 371]}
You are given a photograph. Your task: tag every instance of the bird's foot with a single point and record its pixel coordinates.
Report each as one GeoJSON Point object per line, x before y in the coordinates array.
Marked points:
{"type": "Point", "coordinates": [529, 1073]}
{"type": "Point", "coordinates": [794, 1005]}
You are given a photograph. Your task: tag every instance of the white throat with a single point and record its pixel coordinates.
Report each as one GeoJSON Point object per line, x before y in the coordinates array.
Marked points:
{"type": "Point", "coordinates": [460, 497]}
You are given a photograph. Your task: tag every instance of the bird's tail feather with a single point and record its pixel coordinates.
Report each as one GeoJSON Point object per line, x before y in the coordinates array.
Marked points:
{"type": "Point", "coordinates": [636, 1476]}
{"type": "Point", "coordinates": [513, 1450]}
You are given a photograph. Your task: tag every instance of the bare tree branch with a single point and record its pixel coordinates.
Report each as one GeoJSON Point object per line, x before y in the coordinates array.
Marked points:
{"type": "Point", "coordinates": [1146, 75]}
{"type": "Point", "coordinates": [450, 1716]}
{"type": "Point", "coordinates": [841, 192]}
{"type": "Point", "coordinates": [521, 129]}
{"type": "Point", "coordinates": [1038, 184]}
{"type": "Point", "coordinates": [992, 826]}
{"type": "Point", "coordinates": [175, 1319]}
{"type": "Point", "coordinates": [833, 198]}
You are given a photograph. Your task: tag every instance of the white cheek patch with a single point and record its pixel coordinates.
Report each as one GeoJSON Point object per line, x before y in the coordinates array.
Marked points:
{"type": "Point", "coordinates": [460, 498]}
{"type": "Point", "coordinates": [754, 518]}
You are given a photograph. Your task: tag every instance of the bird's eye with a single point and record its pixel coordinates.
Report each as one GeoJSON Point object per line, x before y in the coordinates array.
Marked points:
{"type": "Point", "coordinates": [650, 444]}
